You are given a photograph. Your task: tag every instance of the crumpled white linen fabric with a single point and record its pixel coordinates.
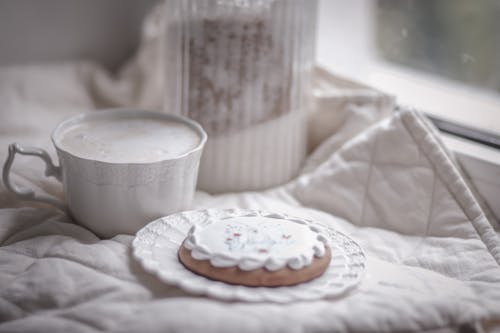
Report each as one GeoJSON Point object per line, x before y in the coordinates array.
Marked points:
{"type": "Point", "coordinates": [387, 181]}
{"type": "Point", "coordinates": [433, 256]}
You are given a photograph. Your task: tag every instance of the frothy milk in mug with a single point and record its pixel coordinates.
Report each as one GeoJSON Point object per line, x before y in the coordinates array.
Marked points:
{"type": "Point", "coordinates": [120, 168]}
{"type": "Point", "coordinates": [133, 140]}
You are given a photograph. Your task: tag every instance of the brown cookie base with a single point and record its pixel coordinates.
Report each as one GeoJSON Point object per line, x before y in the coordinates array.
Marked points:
{"type": "Point", "coordinates": [259, 277]}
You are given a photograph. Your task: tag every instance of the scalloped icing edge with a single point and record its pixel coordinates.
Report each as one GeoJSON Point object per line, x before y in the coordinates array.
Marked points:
{"type": "Point", "coordinates": [247, 263]}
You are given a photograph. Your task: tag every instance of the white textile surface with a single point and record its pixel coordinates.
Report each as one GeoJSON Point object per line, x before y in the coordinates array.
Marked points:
{"type": "Point", "coordinates": [433, 257]}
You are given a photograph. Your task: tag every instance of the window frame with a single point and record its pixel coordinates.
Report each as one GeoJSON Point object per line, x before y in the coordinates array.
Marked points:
{"type": "Point", "coordinates": [471, 130]}
{"type": "Point", "coordinates": [346, 46]}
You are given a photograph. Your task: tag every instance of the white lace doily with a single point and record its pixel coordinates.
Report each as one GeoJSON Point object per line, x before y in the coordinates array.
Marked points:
{"type": "Point", "coordinates": [156, 246]}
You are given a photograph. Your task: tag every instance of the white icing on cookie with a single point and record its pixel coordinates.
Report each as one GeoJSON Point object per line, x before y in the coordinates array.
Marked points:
{"type": "Point", "coordinates": [252, 242]}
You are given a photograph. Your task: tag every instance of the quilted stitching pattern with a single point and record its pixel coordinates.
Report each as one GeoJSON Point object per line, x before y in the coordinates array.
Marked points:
{"type": "Point", "coordinates": [390, 182]}
{"type": "Point", "coordinates": [411, 187]}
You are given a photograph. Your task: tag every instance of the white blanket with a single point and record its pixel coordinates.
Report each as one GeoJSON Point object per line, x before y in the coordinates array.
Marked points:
{"type": "Point", "coordinates": [433, 257]}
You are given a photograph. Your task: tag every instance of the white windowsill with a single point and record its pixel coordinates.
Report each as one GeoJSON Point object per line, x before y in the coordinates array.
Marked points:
{"type": "Point", "coordinates": [439, 97]}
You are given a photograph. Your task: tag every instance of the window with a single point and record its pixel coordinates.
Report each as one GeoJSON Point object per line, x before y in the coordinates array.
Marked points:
{"type": "Point", "coordinates": [440, 56]}
{"type": "Point", "coordinates": [455, 39]}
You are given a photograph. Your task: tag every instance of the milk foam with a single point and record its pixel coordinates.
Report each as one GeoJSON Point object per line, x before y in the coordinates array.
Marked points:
{"type": "Point", "coordinates": [129, 140]}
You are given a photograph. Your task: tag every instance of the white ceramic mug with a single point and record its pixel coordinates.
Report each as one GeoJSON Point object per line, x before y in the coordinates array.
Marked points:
{"type": "Point", "coordinates": [113, 198]}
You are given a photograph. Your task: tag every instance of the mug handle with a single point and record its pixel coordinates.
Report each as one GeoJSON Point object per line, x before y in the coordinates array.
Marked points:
{"type": "Point", "coordinates": [50, 170]}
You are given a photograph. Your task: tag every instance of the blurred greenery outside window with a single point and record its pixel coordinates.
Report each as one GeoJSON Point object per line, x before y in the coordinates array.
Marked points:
{"type": "Point", "coordinates": [454, 39]}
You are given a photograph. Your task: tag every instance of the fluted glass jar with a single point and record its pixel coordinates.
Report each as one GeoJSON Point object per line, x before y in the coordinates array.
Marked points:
{"type": "Point", "coordinates": [242, 69]}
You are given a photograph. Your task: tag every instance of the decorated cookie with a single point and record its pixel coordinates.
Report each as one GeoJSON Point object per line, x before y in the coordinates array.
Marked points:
{"type": "Point", "coordinates": [256, 250]}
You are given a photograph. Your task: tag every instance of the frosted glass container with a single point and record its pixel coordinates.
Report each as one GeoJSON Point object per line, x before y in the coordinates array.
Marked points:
{"type": "Point", "coordinates": [242, 69]}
